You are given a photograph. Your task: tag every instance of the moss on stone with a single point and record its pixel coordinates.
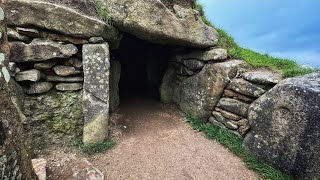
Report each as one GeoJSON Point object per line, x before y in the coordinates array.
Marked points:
{"type": "Point", "coordinates": [54, 115]}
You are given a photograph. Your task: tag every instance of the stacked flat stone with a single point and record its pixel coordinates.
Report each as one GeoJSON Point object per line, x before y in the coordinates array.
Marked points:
{"type": "Point", "coordinates": [231, 111]}
{"type": "Point", "coordinates": [41, 61]}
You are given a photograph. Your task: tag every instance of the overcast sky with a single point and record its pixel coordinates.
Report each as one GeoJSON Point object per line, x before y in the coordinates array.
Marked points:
{"type": "Point", "coordinates": [283, 28]}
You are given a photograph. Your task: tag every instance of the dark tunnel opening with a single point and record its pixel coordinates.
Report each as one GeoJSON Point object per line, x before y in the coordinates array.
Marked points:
{"type": "Point", "coordinates": [142, 67]}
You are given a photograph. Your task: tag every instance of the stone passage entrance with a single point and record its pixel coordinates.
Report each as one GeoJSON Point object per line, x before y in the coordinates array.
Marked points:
{"type": "Point", "coordinates": [142, 67]}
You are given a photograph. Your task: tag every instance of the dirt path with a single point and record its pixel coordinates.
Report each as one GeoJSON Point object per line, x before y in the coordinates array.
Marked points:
{"type": "Point", "coordinates": [155, 143]}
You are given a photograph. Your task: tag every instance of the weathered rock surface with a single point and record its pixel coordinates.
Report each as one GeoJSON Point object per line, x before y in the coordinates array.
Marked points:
{"type": "Point", "coordinates": [69, 86]}
{"type": "Point", "coordinates": [29, 75]}
{"type": "Point", "coordinates": [61, 70]}
{"type": "Point", "coordinates": [263, 77]}
{"type": "Point", "coordinates": [74, 62]}
{"type": "Point", "coordinates": [96, 66]}
{"type": "Point", "coordinates": [228, 115]}
{"type": "Point", "coordinates": [115, 73]}
{"type": "Point", "coordinates": [39, 166]}
{"type": "Point", "coordinates": [45, 65]}
{"type": "Point", "coordinates": [234, 106]}
{"type": "Point", "coordinates": [231, 125]}
{"type": "Point", "coordinates": [245, 87]}
{"type": "Point", "coordinates": [213, 54]}
{"type": "Point", "coordinates": [39, 88]}
{"type": "Point", "coordinates": [96, 40]}
{"type": "Point", "coordinates": [13, 34]}
{"type": "Point", "coordinates": [40, 50]}
{"type": "Point", "coordinates": [285, 126]}
{"type": "Point", "coordinates": [238, 96]}
{"type": "Point", "coordinates": [214, 121]}
{"type": "Point", "coordinates": [194, 64]}
{"type": "Point", "coordinates": [53, 117]}
{"type": "Point", "coordinates": [219, 117]}
{"type": "Point", "coordinates": [64, 79]}
{"type": "Point", "coordinates": [244, 127]}
{"type": "Point", "coordinates": [151, 20]}
{"type": "Point", "coordinates": [167, 85]}
{"type": "Point", "coordinates": [201, 92]}
{"type": "Point", "coordinates": [58, 17]}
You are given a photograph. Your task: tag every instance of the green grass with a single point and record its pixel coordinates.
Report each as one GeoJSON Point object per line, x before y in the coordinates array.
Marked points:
{"type": "Point", "coordinates": [234, 144]}
{"type": "Point", "coordinates": [287, 67]}
{"type": "Point", "coordinates": [93, 148]}
{"type": "Point", "coordinates": [104, 13]}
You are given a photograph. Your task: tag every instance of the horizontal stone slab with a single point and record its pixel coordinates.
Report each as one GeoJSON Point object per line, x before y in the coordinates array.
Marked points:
{"type": "Point", "coordinates": [29, 75]}
{"type": "Point", "coordinates": [61, 70]}
{"type": "Point", "coordinates": [57, 17]}
{"type": "Point", "coordinates": [65, 79]}
{"type": "Point", "coordinates": [69, 86]}
{"type": "Point", "coordinates": [263, 77]}
{"type": "Point", "coordinates": [40, 88]}
{"type": "Point", "coordinates": [234, 106]}
{"type": "Point", "coordinates": [40, 50]}
{"type": "Point", "coordinates": [245, 87]}
{"type": "Point", "coordinates": [213, 54]}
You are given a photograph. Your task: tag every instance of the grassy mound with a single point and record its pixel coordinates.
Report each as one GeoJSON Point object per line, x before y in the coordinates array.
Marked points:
{"type": "Point", "coordinates": [288, 68]}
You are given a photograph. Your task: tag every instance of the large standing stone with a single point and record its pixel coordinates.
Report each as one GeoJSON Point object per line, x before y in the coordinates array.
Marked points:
{"type": "Point", "coordinates": [151, 20]}
{"type": "Point", "coordinates": [96, 65]}
{"type": "Point", "coordinates": [40, 50]}
{"type": "Point", "coordinates": [15, 162]}
{"type": "Point", "coordinates": [201, 92]}
{"type": "Point", "coordinates": [167, 85]}
{"type": "Point", "coordinates": [58, 17]}
{"type": "Point", "coordinates": [115, 72]}
{"type": "Point", "coordinates": [285, 125]}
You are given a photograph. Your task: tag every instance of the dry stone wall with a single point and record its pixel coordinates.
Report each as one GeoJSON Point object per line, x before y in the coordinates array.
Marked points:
{"type": "Point", "coordinates": [211, 87]}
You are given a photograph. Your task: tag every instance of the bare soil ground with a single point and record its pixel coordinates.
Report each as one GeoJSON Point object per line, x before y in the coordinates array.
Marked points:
{"type": "Point", "coordinates": [153, 142]}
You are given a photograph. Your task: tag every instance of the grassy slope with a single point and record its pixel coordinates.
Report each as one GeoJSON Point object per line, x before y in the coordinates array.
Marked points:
{"type": "Point", "coordinates": [288, 68]}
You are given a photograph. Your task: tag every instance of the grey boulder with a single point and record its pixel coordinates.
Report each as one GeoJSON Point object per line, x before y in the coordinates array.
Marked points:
{"type": "Point", "coordinates": [285, 125]}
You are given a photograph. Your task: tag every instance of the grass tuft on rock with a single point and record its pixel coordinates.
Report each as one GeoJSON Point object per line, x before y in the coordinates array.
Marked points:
{"type": "Point", "coordinates": [234, 144]}
{"type": "Point", "coordinates": [93, 148]}
{"type": "Point", "coordinates": [103, 12]}
{"type": "Point", "coordinates": [288, 68]}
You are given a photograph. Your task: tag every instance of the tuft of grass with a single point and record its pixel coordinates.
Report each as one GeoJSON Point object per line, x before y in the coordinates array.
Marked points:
{"type": "Point", "coordinates": [93, 148]}
{"type": "Point", "coordinates": [200, 8]}
{"type": "Point", "coordinates": [104, 13]}
{"type": "Point", "coordinates": [225, 40]}
{"type": "Point", "coordinates": [234, 144]}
